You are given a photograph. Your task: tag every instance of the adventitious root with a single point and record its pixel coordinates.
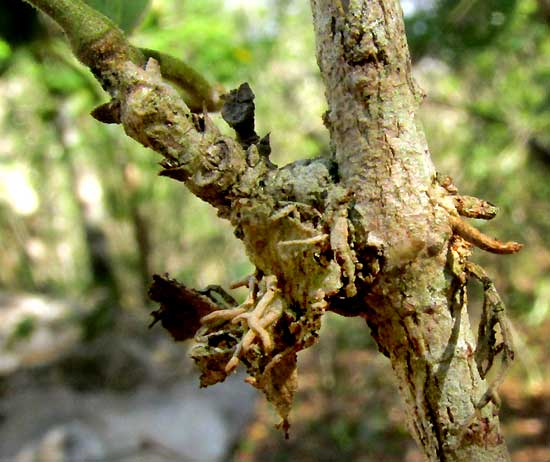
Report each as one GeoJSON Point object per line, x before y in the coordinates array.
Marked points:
{"type": "Point", "coordinates": [262, 308]}
{"type": "Point", "coordinates": [305, 242]}
{"type": "Point", "coordinates": [229, 314]}
{"type": "Point", "coordinates": [473, 207]}
{"type": "Point", "coordinates": [477, 238]}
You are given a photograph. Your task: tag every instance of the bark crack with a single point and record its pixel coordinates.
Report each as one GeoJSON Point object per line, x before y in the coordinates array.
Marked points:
{"type": "Point", "coordinates": [433, 415]}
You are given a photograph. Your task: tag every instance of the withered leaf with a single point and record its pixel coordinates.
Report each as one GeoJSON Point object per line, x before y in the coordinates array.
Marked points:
{"type": "Point", "coordinates": [181, 308]}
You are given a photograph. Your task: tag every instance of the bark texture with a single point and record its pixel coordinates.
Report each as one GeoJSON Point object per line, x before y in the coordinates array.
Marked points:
{"type": "Point", "coordinates": [416, 307]}
{"type": "Point", "coordinates": [369, 232]}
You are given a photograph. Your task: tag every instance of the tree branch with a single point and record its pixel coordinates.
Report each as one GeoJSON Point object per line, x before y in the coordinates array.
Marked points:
{"type": "Point", "coordinates": [94, 37]}
{"type": "Point", "coordinates": [293, 220]}
{"type": "Point", "coordinates": [368, 232]}
{"type": "Point", "coordinates": [416, 305]}
{"type": "Point", "coordinates": [201, 94]}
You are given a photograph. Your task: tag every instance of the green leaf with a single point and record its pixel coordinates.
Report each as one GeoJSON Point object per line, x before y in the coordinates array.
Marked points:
{"type": "Point", "coordinates": [127, 14]}
{"type": "Point", "coordinates": [5, 50]}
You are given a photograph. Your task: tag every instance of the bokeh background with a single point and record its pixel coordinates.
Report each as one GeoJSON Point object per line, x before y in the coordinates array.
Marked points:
{"type": "Point", "coordinates": [85, 221]}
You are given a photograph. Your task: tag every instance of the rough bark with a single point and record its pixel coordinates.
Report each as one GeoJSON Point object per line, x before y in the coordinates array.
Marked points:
{"type": "Point", "coordinates": [369, 232]}
{"type": "Point", "coordinates": [417, 305]}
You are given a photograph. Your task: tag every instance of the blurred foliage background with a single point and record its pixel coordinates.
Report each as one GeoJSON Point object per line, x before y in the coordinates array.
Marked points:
{"type": "Point", "coordinates": [84, 216]}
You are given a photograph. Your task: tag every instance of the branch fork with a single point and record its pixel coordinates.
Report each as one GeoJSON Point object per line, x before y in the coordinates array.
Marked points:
{"type": "Point", "coordinates": [380, 156]}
